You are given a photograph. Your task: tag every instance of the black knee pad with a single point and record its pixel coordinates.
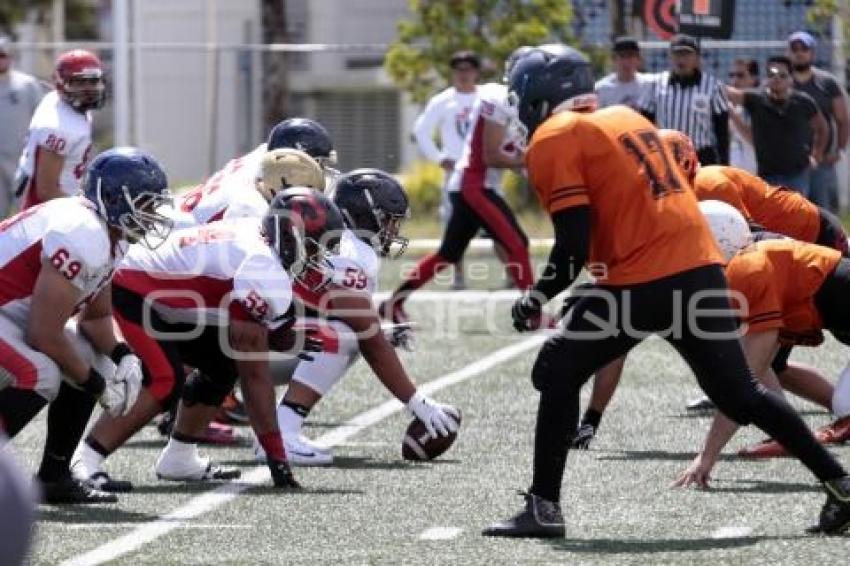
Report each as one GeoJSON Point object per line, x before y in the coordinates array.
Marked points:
{"type": "Point", "coordinates": [206, 390]}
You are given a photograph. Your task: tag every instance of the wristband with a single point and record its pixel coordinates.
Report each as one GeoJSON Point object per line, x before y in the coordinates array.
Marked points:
{"type": "Point", "coordinates": [120, 350]}
{"type": "Point", "coordinates": [95, 384]}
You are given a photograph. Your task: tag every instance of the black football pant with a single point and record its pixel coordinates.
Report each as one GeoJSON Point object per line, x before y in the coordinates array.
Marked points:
{"type": "Point", "coordinates": [601, 328]}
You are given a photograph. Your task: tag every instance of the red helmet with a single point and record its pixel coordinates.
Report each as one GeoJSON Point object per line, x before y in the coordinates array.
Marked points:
{"type": "Point", "coordinates": [79, 80]}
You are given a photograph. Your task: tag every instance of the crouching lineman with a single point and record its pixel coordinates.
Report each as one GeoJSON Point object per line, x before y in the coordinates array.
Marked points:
{"type": "Point", "coordinates": [57, 260]}
{"type": "Point", "coordinates": [373, 205]}
{"type": "Point", "coordinates": [790, 292]}
{"type": "Point", "coordinates": [212, 297]}
{"type": "Point", "coordinates": [611, 167]}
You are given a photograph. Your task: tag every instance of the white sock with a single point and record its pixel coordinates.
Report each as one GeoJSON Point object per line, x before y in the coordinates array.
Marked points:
{"type": "Point", "coordinates": [841, 395]}
{"type": "Point", "coordinates": [180, 450]}
{"type": "Point", "coordinates": [87, 457]}
{"type": "Point", "coordinates": [288, 421]}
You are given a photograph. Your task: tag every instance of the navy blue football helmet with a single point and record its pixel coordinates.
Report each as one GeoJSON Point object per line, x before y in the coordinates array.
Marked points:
{"type": "Point", "coordinates": [303, 227]}
{"type": "Point", "coordinates": [374, 205]}
{"type": "Point", "coordinates": [543, 78]}
{"type": "Point", "coordinates": [305, 135]}
{"type": "Point", "coordinates": [127, 186]}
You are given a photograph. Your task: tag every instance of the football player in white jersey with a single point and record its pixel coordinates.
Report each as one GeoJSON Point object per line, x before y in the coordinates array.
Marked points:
{"type": "Point", "coordinates": [373, 205]}
{"type": "Point", "coordinates": [476, 203]}
{"type": "Point", "coordinates": [211, 297]}
{"type": "Point", "coordinates": [59, 138]}
{"type": "Point", "coordinates": [229, 192]}
{"type": "Point", "coordinates": [57, 260]}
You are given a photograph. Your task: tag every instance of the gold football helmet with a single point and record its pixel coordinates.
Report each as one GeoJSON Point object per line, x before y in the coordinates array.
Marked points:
{"type": "Point", "coordinates": [286, 167]}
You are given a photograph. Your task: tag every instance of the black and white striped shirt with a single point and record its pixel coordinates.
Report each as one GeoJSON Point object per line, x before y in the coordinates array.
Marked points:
{"type": "Point", "coordinates": [686, 105]}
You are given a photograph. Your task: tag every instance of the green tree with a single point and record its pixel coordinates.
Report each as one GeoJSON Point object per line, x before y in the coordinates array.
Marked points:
{"type": "Point", "coordinates": [821, 13]}
{"type": "Point", "coordinates": [80, 16]}
{"type": "Point", "coordinates": [418, 58]}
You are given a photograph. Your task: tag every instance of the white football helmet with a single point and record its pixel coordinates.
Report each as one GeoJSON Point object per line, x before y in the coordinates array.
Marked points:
{"type": "Point", "coordinates": [285, 167]}
{"type": "Point", "coordinates": [729, 227]}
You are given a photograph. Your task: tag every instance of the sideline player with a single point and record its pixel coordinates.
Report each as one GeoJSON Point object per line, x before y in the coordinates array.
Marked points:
{"type": "Point", "coordinates": [211, 297]}
{"type": "Point", "coordinates": [475, 202]}
{"type": "Point", "coordinates": [610, 165]}
{"type": "Point", "coordinates": [60, 132]}
{"type": "Point", "coordinates": [56, 260]}
{"type": "Point", "coordinates": [793, 291]}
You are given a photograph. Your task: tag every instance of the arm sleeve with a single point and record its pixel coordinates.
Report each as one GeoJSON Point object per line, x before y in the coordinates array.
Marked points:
{"type": "Point", "coordinates": [555, 172]}
{"type": "Point", "coordinates": [569, 253]}
{"type": "Point", "coordinates": [719, 102]}
{"type": "Point", "coordinates": [423, 130]}
{"type": "Point", "coordinates": [721, 134]}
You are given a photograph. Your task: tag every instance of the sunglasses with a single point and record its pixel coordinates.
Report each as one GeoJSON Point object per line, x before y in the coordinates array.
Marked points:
{"type": "Point", "coordinates": [777, 75]}
{"type": "Point", "coordinates": [463, 68]}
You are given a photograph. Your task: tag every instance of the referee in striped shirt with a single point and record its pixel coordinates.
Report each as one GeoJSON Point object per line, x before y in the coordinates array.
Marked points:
{"type": "Point", "coordinates": [691, 101]}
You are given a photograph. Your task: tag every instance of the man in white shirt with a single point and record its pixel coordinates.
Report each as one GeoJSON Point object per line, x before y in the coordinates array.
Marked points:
{"type": "Point", "coordinates": [625, 85]}
{"type": "Point", "coordinates": [20, 94]}
{"type": "Point", "coordinates": [744, 74]}
{"type": "Point", "coordinates": [449, 112]}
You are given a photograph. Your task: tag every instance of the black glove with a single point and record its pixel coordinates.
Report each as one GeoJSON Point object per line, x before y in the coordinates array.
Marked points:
{"type": "Point", "coordinates": [526, 313]}
{"type": "Point", "coordinates": [282, 475]}
{"type": "Point", "coordinates": [584, 435]}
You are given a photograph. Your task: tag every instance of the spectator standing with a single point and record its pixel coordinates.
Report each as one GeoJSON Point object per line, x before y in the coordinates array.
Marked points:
{"type": "Point", "coordinates": [689, 100]}
{"type": "Point", "coordinates": [826, 91]}
{"type": "Point", "coordinates": [626, 85]}
{"type": "Point", "coordinates": [20, 94]}
{"type": "Point", "coordinates": [448, 112]}
{"type": "Point", "coordinates": [744, 75]}
{"type": "Point", "coordinates": [789, 132]}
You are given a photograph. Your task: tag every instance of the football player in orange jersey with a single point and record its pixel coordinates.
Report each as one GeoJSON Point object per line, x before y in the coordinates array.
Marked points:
{"type": "Point", "coordinates": [793, 291]}
{"type": "Point", "coordinates": [775, 209]}
{"type": "Point", "coordinates": [619, 204]}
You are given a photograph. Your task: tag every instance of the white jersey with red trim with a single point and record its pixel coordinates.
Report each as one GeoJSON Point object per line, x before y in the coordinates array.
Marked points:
{"type": "Point", "coordinates": [229, 193]}
{"type": "Point", "coordinates": [355, 267]}
{"type": "Point", "coordinates": [68, 233]}
{"type": "Point", "coordinates": [57, 127]}
{"type": "Point", "coordinates": [470, 170]}
{"type": "Point", "coordinates": [197, 274]}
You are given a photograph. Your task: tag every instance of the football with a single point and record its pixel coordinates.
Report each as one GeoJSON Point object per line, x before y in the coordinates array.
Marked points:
{"type": "Point", "coordinates": [418, 446]}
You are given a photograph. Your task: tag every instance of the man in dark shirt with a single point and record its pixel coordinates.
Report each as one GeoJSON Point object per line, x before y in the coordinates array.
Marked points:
{"type": "Point", "coordinates": [824, 88]}
{"type": "Point", "coordinates": [789, 132]}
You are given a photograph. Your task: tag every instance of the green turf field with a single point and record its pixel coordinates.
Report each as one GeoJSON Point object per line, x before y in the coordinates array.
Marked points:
{"type": "Point", "coordinates": [372, 507]}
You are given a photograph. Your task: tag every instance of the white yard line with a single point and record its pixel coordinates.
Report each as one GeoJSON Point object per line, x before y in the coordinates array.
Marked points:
{"type": "Point", "coordinates": [731, 532]}
{"type": "Point", "coordinates": [440, 533]}
{"type": "Point", "coordinates": [199, 505]}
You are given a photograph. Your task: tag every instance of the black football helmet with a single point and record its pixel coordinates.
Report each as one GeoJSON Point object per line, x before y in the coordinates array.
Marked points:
{"type": "Point", "coordinates": [543, 78]}
{"type": "Point", "coordinates": [305, 135]}
{"type": "Point", "coordinates": [374, 205]}
{"type": "Point", "coordinates": [303, 227]}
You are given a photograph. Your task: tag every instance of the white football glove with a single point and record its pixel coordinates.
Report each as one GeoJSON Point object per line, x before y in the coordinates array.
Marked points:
{"type": "Point", "coordinates": [122, 388]}
{"type": "Point", "coordinates": [436, 417]}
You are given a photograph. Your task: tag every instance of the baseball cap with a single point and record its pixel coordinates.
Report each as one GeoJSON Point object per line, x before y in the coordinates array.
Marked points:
{"type": "Point", "coordinates": [465, 56]}
{"type": "Point", "coordinates": [803, 37]}
{"type": "Point", "coordinates": [684, 42]}
{"type": "Point", "coordinates": [625, 43]}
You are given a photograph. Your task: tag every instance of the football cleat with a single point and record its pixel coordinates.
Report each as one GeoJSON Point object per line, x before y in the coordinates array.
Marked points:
{"type": "Point", "coordinates": [701, 404]}
{"type": "Point", "coordinates": [300, 451]}
{"type": "Point", "coordinates": [101, 480]}
{"type": "Point", "coordinates": [232, 411]}
{"type": "Point", "coordinates": [70, 490]}
{"type": "Point", "coordinates": [282, 475]}
{"type": "Point", "coordinates": [393, 310]}
{"type": "Point", "coordinates": [835, 514]}
{"type": "Point", "coordinates": [192, 469]}
{"type": "Point", "coordinates": [837, 432]}
{"type": "Point", "coordinates": [540, 519]}
{"type": "Point", "coordinates": [584, 435]}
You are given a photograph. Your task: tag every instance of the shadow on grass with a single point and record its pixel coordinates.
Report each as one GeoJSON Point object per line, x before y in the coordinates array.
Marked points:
{"type": "Point", "coordinates": [305, 490]}
{"type": "Point", "coordinates": [654, 546]}
{"type": "Point", "coordinates": [637, 455]}
{"type": "Point", "coordinates": [763, 486]}
{"type": "Point", "coordinates": [75, 514]}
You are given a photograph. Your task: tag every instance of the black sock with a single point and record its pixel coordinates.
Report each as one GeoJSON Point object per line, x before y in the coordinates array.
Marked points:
{"type": "Point", "coordinates": [591, 417]}
{"type": "Point", "coordinates": [298, 409]}
{"type": "Point", "coordinates": [184, 438]}
{"type": "Point", "coordinates": [17, 408]}
{"type": "Point", "coordinates": [67, 418]}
